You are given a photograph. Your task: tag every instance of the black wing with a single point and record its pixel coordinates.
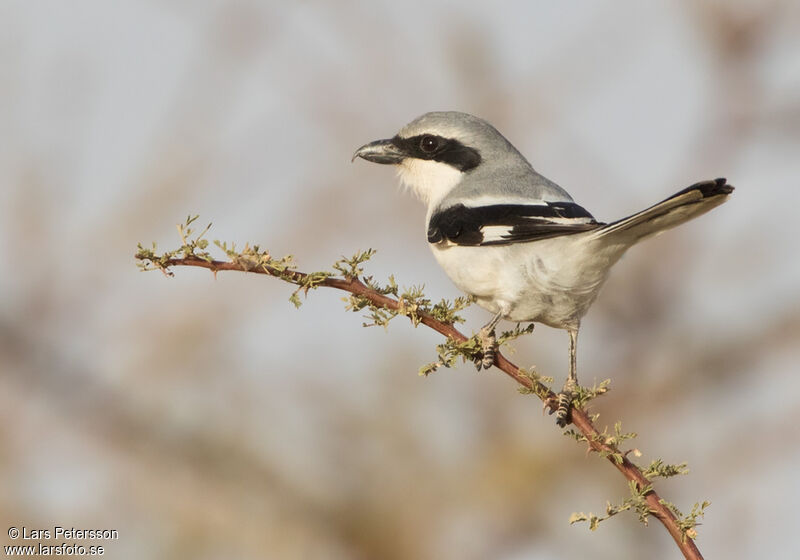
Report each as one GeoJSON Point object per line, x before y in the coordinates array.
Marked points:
{"type": "Point", "coordinates": [504, 224]}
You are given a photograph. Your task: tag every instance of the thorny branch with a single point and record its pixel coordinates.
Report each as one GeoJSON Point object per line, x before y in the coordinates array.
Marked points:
{"type": "Point", "coordinates": [365, 293]}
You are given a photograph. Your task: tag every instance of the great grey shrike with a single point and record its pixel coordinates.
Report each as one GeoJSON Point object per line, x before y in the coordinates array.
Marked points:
{"type": "Point", "coordinates": [511, 238]}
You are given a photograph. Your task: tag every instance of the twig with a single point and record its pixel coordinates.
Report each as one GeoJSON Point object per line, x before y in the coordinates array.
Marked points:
{"type": "Point", "coordinates": [580, 419]}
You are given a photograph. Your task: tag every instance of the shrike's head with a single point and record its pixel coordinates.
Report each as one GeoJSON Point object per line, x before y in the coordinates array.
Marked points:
{"type": "Point", "coordinates": [437, 151]}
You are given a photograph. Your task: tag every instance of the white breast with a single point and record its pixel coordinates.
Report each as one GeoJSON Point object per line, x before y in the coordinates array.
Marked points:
{"type": "Point", "coordinates": [552, 281]}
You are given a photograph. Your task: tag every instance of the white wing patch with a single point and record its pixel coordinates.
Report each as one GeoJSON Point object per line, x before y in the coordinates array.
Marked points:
{"type": "Point", "coordinates": [495, 200]}
{"type": "Point", "coordinates": [495, 233]}
{"type": "Point", "coordinates": [503, 233]}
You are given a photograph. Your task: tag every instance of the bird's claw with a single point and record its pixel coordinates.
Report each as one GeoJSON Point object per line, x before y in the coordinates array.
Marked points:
{"type": "Point", "coordinates": [564, 399]}
{"type": "Point", "coordinates": [488, 349]}
{"type": "Point", "coordinates": [547, 405]}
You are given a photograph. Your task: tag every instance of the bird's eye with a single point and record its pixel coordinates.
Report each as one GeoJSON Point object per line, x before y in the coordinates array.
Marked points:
{"type": "Point", "coordinates": [429, 144]}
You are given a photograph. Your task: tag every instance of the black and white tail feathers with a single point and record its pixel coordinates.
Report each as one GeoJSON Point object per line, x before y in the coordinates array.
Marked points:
{"type": "Point", "coordinates": [675, 210]}
{"type": "Point", "coordinates": [507, 224]}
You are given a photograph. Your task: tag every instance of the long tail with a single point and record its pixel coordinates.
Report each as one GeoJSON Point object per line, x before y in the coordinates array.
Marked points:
{"type": "Point", "coordinates": [677, 209]}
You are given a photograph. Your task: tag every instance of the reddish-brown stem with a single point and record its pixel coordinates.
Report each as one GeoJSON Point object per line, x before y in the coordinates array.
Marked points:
{"type": "Point", "coordinates": [580, 419]}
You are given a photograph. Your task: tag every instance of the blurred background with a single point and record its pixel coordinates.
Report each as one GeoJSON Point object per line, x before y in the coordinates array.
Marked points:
{"type": "Point", "coordinates": [207, 418]}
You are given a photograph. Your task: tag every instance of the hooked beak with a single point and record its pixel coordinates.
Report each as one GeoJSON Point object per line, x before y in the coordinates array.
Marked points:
{"type": "Point", "coordinates": [380, 151]}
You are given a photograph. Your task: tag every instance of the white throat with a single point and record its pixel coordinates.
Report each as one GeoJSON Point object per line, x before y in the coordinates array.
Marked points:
{"type": "Point", "coordinates": [429, 180]}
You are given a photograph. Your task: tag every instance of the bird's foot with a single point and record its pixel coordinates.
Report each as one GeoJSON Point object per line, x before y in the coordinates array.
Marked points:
{"type": "Point", "coordinates": [564, 400]}
{"type": "Point", "coordinates": [488, 349]}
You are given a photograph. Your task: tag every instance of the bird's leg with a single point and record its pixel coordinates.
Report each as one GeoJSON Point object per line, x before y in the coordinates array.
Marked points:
{"type": "Point", "coordinates": [566, 394]}
{"type": "Point", "coordinates": [488, 343]}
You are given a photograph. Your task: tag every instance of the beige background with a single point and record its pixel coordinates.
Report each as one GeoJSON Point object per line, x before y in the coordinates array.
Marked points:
{"type": "Point", "coordinates": [209, 419]}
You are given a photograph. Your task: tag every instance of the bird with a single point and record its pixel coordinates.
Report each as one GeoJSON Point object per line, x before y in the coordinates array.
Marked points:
{"type": "Point", "coordinates": [512, 239]}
